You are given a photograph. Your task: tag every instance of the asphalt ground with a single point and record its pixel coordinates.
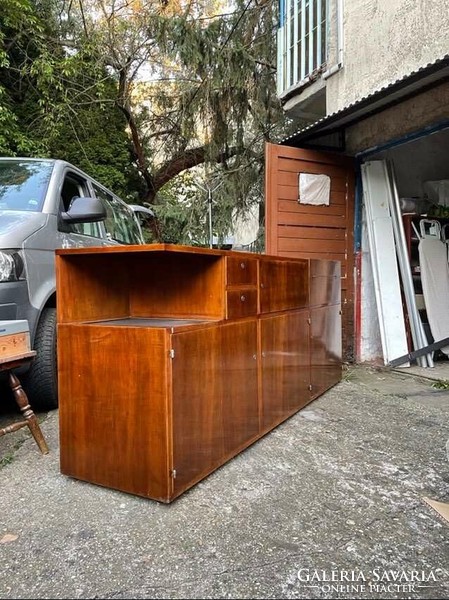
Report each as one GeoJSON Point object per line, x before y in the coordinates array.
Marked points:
{"type": "Point", "coordinates": [330, 504]}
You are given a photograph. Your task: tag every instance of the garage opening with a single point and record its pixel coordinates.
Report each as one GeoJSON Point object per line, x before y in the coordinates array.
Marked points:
{"type": "Point", "coordinates": [421, 174]}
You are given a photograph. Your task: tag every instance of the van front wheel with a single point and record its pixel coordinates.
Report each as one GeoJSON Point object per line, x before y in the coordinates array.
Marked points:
{"type": "Point", "coordinates": [41, 383]}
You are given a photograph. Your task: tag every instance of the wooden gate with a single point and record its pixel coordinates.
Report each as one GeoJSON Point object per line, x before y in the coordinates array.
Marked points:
{"type": "Point", "coordinates": [308, 231]}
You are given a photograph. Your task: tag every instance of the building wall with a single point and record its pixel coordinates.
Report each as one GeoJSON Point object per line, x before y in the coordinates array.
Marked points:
{"type": "Point", "coordinates": [385, 40]}
{"type": "Point", "coordinates": [423, 110]}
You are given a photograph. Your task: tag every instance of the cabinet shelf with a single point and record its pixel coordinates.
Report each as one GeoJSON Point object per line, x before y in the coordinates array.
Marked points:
{"type": "Point", "coordinates": [150, 322]}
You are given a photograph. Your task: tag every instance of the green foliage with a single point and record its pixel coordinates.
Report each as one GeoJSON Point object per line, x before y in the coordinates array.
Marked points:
{"type": "Point", "coordinates": [19, 28]}
{"type": "Point", "coordinates": [441, 384]}
{"type": "Point", "coordinates": [7, 459]}
{"type": "Point", "coordinates": [95, 140]}
{"type": "Point", "coordinates": [182, 212]}
{"type": "Point", "coordinates": [72, 86]}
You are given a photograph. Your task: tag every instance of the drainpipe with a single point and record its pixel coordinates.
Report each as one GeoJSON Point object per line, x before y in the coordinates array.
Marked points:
{"type": "Point", "coordinates": [335, 68]}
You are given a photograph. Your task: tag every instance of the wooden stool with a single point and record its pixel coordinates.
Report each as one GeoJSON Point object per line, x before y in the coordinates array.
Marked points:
{"type": "Point", "coordinates": [7, 364]}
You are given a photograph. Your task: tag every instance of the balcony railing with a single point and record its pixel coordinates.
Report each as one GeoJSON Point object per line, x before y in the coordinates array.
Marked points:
{"type": "Point", "coordinates": [301, 40]}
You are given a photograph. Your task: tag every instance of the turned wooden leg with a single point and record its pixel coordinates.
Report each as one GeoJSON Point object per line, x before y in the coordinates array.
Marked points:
{"type": "Point", "coordinates": [22, 401]}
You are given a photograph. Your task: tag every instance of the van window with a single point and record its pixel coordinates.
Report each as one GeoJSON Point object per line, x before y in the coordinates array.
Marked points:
{"type": "Point", "coordinates": [23, 184]}
{"type": "Point", "coordinates": [72, 187]}
{"type": "Point", "coordinates": [120, 223]}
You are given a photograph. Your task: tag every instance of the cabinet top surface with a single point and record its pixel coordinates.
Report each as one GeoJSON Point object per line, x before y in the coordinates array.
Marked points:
{"type": "Point", "coordinates": [170, 248]}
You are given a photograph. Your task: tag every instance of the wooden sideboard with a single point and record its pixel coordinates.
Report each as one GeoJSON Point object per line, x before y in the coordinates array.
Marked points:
{"type": "Point", "coordinates": [171, 359]}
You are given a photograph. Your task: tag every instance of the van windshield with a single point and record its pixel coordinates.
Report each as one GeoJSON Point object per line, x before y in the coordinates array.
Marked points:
{"type": "Point", "coordinates": [23, 184]}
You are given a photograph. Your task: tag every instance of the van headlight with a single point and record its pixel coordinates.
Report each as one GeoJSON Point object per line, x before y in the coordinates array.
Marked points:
{"type": "Point", "coordinates": [11, 265]}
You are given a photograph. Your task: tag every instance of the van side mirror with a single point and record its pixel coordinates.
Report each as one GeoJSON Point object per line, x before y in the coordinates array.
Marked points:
{"type": "Point", "coordinates": [84, 210]}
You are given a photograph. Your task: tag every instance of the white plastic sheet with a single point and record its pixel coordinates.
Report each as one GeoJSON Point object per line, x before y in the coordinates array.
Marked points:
{"type": "Point", "coordinates": [435, 284]}
{"type": "Point", "coordinates": [314, 189]}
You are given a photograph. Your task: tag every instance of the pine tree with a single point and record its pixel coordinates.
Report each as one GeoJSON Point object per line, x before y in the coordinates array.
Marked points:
{"type": "Point", "coordinates": [193, 81]}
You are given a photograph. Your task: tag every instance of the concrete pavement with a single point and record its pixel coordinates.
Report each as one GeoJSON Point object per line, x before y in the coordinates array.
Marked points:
{"type": "Point", "coordinates": [328, 505]}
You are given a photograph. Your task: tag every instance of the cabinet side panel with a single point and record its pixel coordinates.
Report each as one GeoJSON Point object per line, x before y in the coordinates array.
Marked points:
{"type": "Point", "coordinates": [113, 407]}
{"type": "Point", "coordinates": [325, 348]}
{"type": "Point", "coordinates": [215, 403]}
{"type": "Point", "coordinates": [285, 365]}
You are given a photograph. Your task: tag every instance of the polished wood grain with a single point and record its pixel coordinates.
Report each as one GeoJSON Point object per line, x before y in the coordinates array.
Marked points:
{"type": "Point", "coordinates": [325, 348]}
{"type": "Point", "coordinates": [325, 287]}
{"type": "Point", "coordinates": [241, 302]}
{"type": "Point", "coordinates": [8, 363]}
{"type": "Point", "coordinates": [177, 285]}
{"type": "Point", "coordinates": [113, 387]}
{"type": "Point", "coordinates": [284, 285]}
{"type": "Point", "coordinates": [92, 286]}
{"type": "Point", "coordinates": [132, 284]}
{"type": "Point", "coordinates": [285, 365]}
{"type": "Point", "coordinates": [241, 271]}
{"type": "Point", "coordinates": [172, 361]}
{"type": "Point", "coordinates": [215, 401]}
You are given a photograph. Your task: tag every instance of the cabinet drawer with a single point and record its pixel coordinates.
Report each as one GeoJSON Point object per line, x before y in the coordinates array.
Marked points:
{"type": "Point", "coordinates": [241, 303]}
{"type": "Point", "coordinates": [241, 271]}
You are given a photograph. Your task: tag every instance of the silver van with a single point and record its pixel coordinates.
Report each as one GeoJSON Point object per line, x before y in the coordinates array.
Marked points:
{"type": "Point", "coordinates": [47, 204]}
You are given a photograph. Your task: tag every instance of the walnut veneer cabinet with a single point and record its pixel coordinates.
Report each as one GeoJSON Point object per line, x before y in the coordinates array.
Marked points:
{"type": "Point", "coordinates": [173, 359]}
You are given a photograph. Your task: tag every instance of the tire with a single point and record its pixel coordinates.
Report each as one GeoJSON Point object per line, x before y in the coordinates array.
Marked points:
{"type": "Point", "coordinates": [41, 381]}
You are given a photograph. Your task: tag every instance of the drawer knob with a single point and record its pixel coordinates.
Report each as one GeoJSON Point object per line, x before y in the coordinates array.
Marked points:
{"type": "Point", "coordinates": [242, 265]}
{"type": "Point", "coordinates": [243, 298]}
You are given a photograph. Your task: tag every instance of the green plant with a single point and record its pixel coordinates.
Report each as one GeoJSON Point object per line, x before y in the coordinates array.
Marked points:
{"type": "Point", "coordinates": [348, 374]}
{"type": "Point", "coordinates": [441, 384]}
{"type": "Point", "coordinates": [7, 459]}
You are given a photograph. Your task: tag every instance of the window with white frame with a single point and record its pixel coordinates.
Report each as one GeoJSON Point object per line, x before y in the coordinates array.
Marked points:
{"type": "Point", "coordinates": [301, 41]}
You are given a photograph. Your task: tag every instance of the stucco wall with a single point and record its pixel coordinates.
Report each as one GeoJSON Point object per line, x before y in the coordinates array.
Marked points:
{"type": "Point", "coordinates": [385, 40]}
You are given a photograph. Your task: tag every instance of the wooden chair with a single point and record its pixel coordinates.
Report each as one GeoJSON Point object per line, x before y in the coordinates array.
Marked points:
{"type": "Point", "coordinates": [30, 419]}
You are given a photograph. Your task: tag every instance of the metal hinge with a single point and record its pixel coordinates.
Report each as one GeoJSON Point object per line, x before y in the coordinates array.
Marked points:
{"type": "Point", "coordinates": [172, 353]}
{"type": "Point", "coordinates": [309, 321]}
{"type": "Point", "coordinates": [173, 473]}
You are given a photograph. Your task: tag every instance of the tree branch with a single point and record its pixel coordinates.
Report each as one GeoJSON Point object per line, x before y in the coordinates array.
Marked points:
{"type": "Point", "coordinates": [139, 153]}
{"type": "Point", "coordinates": [186, 160]}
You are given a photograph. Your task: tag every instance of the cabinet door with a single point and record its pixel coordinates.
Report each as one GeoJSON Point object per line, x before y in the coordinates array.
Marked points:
{"type": "Point", "coordinates": [284, 365]}
{"type": "Point", "coordinates": [215, 404]}
{"type": "Point", "coordinates": [283, 285]}
{"type": "Point", "coordinates": [112, 410]}
{"type": "Point", "coordinates": [325, 282]}
{"type": "Point", "coordinates": [325, 348]}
